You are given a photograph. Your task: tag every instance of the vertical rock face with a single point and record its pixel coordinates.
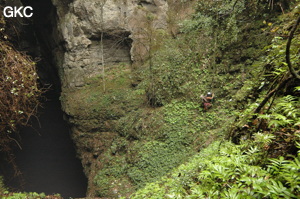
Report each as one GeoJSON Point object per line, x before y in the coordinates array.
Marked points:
{"type": "Point", "coordinates": [123, 27]}
{"type": "Point", "coordinates": [83, 24]}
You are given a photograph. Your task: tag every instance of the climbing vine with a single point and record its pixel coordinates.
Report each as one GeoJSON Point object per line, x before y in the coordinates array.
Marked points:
{"type": "Point", "coordinates": [19, 90]}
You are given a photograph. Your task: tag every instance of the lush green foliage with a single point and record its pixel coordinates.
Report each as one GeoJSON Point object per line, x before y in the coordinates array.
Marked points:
{"type": "Point", "coordinates": [237, 171]}
{"type": "Point", "coordinates": [225, 170]}
{"type": "Point", "coordinates": [214, 52]}
{"type": "Point", "coordinates": [164, 138]}
{"type": "Point", "coordinates": [285, 113]}
{"type": "Point", "coordinates": [159, 122]}
{"type": "Point", "coordinates": [150, 142]}
{"type": "Point", "coordinates": [280, 115]}
{"type": "Point", "coordinates": [182, 130]}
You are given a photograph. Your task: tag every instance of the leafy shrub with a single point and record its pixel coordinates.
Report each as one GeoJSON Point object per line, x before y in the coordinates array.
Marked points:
{"type": "Point", "coordinates": [275, 113]}
{"type": "Point", "coordinates": [181, 131]}
{"type": "Point", "coordinates": [156, 159]}
{"type": "Point", "coordinates": [224, 170]}
{"type": "Point", "coordinates": [285, 113]}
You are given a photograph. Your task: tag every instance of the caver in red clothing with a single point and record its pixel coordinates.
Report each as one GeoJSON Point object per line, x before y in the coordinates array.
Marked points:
{"type": "Point", "coordinates": [207, 100]}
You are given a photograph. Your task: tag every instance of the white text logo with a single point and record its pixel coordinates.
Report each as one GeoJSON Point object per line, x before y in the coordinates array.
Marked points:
{"type": "Point", "coordinates": [18, 11]}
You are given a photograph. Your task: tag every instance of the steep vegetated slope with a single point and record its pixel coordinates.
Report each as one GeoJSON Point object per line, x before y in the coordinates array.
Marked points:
{"type": "Point", "coordinates": [140, 122]}
{"type": "Point", "coordinates": [263, 162]}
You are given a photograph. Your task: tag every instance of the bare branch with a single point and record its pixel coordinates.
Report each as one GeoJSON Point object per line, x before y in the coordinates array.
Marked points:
{"type": "Point", "coordinates": [288, 45]}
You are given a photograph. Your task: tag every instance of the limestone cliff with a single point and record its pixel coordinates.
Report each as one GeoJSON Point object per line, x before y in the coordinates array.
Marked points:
{"type": "Point", "coordinates": [81, 24]}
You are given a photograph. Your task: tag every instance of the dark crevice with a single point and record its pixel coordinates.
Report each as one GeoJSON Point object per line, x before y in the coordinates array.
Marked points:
{"type": "Point", "coordinates": [43, 40]}
{"type": "Point", "coordinates": [47, 161]}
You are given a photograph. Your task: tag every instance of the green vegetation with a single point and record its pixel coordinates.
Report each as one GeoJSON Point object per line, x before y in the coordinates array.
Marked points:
{"type": "Point", "coordinates": [264, 162]}
{"type": "Point", "coordinates": [31, 195]}
{"type": "Point", "coordinates": [150, 119]}
{"type": "Point", "coordinates": [225, 170]}
{"type": "Point", "coordinates": [149, 142]}
{"type": "Point", "coordinates": [142, 130]}
{"type": "Point", "coordinates": [5, 194]}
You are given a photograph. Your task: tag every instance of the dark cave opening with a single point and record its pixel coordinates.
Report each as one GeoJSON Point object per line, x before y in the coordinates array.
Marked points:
{"type": "Point", "coordinates": [47, 161]}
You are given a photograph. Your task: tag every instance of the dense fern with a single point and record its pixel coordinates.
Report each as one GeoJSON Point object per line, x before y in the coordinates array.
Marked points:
{"type": "Point", "coordinates": [229, 171]}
